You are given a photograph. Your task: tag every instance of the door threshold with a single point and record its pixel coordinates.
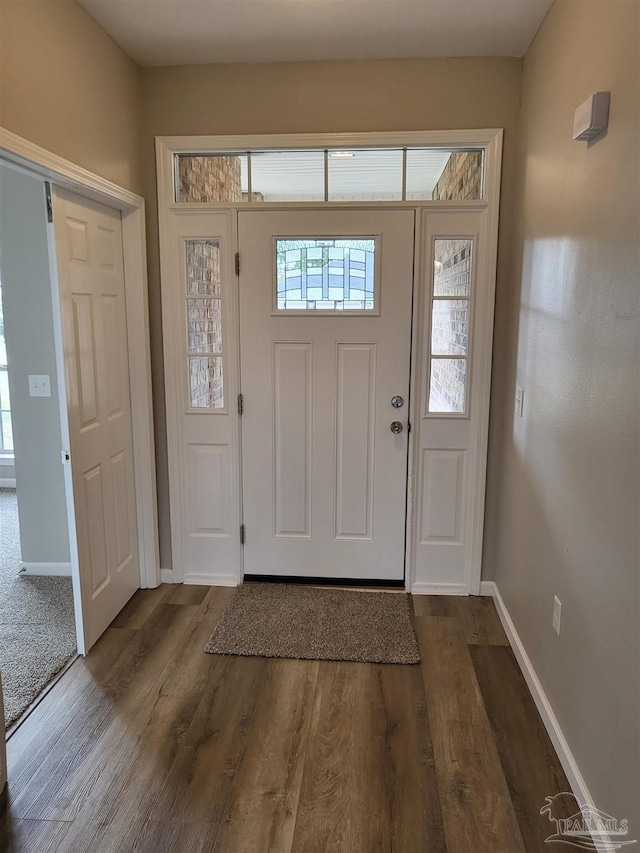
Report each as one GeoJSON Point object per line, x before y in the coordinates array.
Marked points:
{"type": "Point", "coordinates": [353, 583]}
{"type": "Point", "coordinates": [15, 725]}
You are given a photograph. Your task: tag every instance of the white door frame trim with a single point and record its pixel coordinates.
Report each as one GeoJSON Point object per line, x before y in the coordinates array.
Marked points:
{"type": "Point", "coordinates": [38, 161]}
{"type": "Point", "coordinates": [490, 141]}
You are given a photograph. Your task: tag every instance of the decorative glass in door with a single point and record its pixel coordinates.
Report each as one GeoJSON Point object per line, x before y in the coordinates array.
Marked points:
{"type": "Point", "coordinates": [326, 274]}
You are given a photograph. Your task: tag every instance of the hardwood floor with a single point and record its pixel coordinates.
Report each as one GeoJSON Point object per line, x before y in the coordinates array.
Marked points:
{"type": "Point", "coordinates": [149, 744]}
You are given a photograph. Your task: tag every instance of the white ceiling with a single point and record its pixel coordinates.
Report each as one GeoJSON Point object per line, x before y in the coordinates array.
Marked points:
{"type": "Point", "coordinates": [194, 32]}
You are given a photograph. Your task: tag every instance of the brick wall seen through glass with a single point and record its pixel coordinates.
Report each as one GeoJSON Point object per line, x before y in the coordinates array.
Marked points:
{"type": "Point", "coordinates": [204, 324]}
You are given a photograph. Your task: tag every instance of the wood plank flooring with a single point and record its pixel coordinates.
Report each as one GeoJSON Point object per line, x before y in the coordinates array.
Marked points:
{"type": "Point", "coordinates": [149, 744]}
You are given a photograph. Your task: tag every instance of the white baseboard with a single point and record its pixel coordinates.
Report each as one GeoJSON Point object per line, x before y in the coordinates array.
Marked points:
{"type": "Point", "coordinates": [569, 764]}
{"type": "Point", "coordinates": [166, 576]}
{"type": "Point", "coordinates": [7, 483]}
{"type": "Point", "coordinates": [421, 588]}
{"type": "Point", "coordinates": [62, 570]}
{"type": "Point", "coordinates": [211, 580]}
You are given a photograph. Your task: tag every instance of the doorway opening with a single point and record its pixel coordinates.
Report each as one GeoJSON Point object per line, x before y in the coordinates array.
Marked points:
{"type": "Point", "coordinates": [96, 274]}
{"type": "Point", "coordinates": [209, 191]}
{"type": "Point", "coordinates": [37, 616]}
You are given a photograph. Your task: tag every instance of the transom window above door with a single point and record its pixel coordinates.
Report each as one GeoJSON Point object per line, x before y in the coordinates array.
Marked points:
{"type": "Point", "coordinates": [330, 175]}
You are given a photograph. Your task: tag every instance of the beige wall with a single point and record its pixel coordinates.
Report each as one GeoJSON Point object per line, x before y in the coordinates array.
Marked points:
{"type": "Point", "coordinates": [568, 504]}
{"type": "Point", "coordinates": [437, 94]}
{"type": "Point", "coordinates": [67, 86]}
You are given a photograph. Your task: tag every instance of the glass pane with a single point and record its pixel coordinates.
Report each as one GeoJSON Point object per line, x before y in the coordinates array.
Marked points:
{"type": "Point", "coordinates": [450, 327]}
{"type": "Point", "coordinates": [205, 382]}
{"type": "Point", "coordinates": [211, 177]}
{"type": "Point", "coordinates": [452, 267]}
{"type": "Point", "coordinates": [365, 175]}
{"type": "Point", "coordinates": [205, 325]}
{"type": "Point", "coordinates": [448, 385]}
{"type": "Point", "coordinates": [326, 274]}
{"type": "Point", "coordinates": [443, 175]}
{"type": "Point", "coordinates": [203, 267]}
{"type": "Point", "coordinates": [287, 176]}
{"type": "Point", "coordinates": [7, 434]}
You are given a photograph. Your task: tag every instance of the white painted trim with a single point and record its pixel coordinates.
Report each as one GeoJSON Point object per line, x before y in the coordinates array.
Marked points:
{"type": "Point", "coordinates": [414, 408]}
{"type": "Point", "coordinates": [36, 160]}
{"type": "Point", "coordinates": [484, 323]}
{"type": "Point", "coordinates": [7, 483]}
{"type": "Point", "coordinates": [551, 724]}
{"type": "Point", "coordinates": [139, 341]}
{"type": "Point", "coordinates": [206, 580]}
{"type": "Point", "coordinates": [480, 138]}
{"type": "Point", "coordinates": [62, 570]}
{"type": "Point", "coordinates": [171, 380]}
{"type": "Point", "coordinates": [459, 206]}
{"type": "Point", "coordinates": [168, 576]}
{"type": "Point", "coordinates": [421, 588]}
{"type": "Point", "coordinates": [487, 588]}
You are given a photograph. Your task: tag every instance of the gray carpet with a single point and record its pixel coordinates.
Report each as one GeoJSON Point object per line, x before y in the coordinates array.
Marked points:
{"type": "Point", "coordinates": [311, 623]}
{"type": "Point", "coordinates": [37, 629]}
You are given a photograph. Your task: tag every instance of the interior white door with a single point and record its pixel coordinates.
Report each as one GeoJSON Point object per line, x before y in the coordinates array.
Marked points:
{"type": "Point", "coordinates": [94, 332]}
{"type": "Point", "coordinates": [325, 319]}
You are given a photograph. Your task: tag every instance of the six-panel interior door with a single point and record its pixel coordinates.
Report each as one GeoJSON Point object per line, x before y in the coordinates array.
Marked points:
{"type": "Point", "coordinates": [325, 318]}
{"type": "Point", "coordinates": [94, 331]}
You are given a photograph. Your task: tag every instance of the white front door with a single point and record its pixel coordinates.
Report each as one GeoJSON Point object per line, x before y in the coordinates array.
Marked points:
{"type": "Point", "coordinates": [325, 319]}
{"type": "Point", "coordinates": [94, 332]}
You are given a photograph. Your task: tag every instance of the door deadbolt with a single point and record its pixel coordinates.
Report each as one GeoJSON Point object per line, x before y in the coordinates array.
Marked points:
{"type": "Point", "coordinates": [396, 427]}
{"type": "Point", "coordinates": [397, 402]}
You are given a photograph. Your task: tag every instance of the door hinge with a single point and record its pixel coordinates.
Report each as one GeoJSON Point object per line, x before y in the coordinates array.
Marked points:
{"type": "Point", "coordinates": [237, 263]}
{"type": "Point", "coordinates": [240, 404]}
{"type": "Point", "coordinates": [49, 203]}
{"type": "Point", "coordinates": [242, 534]}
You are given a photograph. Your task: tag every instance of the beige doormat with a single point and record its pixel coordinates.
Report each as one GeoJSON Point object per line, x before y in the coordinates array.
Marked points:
{"type": "Point", "coordinates": [312, 623]}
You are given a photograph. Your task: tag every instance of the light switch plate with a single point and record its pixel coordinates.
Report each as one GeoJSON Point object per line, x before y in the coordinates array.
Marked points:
{"type": "Point", "coordinates": [39, 385]}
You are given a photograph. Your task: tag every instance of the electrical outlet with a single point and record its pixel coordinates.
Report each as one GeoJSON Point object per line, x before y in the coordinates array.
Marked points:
{"type": "Point", "coordinates": [557, 614]}
{"type": "Point", "coordinates": [39, 385]}
{"type": "Point", "coordinates": [519, 401]}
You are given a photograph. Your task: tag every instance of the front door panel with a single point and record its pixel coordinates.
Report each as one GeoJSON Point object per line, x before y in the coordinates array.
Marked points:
{"type": "Point", "coordinates": [325, 346]}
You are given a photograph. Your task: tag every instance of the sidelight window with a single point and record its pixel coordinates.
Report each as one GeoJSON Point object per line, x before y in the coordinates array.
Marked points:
{"type": "Point", "coordinates": [204, 324]}
{"type": "Point", "coordinates": [450, 324]}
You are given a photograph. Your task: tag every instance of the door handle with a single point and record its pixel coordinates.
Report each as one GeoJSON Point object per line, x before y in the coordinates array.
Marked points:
{"type": "Point", "coordinates": [396, 427]}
